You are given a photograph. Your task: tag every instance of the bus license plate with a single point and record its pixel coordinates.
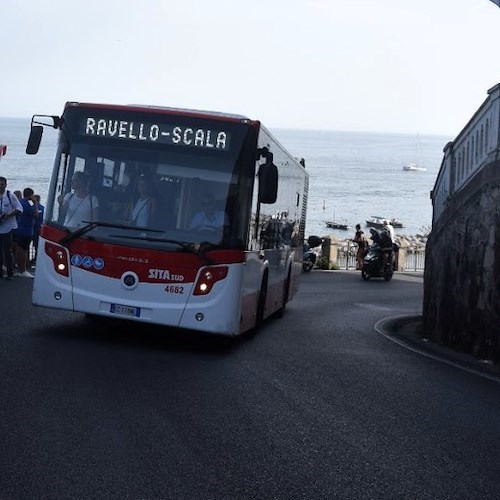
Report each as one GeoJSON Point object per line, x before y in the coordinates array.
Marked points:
{"type": "Point", "coordinates": [125, 310]}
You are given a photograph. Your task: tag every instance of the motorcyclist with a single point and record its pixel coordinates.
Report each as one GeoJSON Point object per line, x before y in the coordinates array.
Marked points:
{"type": "Point", "coordinates": [383, 239]}
{"type": "Point", "coordinates": [387, 243]}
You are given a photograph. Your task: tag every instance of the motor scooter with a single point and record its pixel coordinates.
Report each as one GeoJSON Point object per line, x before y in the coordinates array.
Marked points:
{"type": "Point", "coordinates": [374, 263]}
{"type": "Point", "coordinates": [309, 257]}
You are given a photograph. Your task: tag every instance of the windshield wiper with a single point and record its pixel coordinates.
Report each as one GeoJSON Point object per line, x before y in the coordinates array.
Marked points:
{"type": "Point", "coordinates": [90, 226]}
{"type": "Point", "coordinates": [185, 246]}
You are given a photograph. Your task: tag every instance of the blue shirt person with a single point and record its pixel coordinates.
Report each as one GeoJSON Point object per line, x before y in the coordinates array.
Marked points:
{"type": "Point", "coordinates": [24, 232]}
{"type": "Point", "coordinates": [38, 223]}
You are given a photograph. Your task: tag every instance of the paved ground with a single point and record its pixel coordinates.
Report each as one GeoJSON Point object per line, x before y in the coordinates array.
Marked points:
{"type": "Point", "coordinates": [407, 332]}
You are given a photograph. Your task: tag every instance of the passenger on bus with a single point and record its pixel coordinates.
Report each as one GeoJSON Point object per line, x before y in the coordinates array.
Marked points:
{"type": "Point", "coordinates": [209, 217]}
{"type": "Point", "coordinates": [145, 211]}
{"type": "Point", "coordinates": [79, 207]}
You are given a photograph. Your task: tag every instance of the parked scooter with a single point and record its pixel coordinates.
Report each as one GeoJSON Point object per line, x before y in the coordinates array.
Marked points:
{"type": "Point", "coordinates": [309, 257]}
{"type": "Point", "coordinates": [374, 263]}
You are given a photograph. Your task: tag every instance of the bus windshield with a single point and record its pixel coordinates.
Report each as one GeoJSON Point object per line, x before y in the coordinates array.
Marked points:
{"type": "Point", "coordinates": [150, 194]}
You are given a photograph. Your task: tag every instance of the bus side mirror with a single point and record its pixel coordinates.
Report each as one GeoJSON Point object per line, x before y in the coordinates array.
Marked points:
{"type": "Point", "coordinates": [34, 140]}
{"type": "Point", "coordinates": [268, 183]}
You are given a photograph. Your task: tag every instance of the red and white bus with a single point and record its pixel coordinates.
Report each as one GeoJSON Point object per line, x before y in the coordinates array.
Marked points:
{"type": "Point", "coordinates": [223, 279]}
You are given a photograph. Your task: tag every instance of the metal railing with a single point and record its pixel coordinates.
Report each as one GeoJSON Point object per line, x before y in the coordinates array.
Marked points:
{"type": "Point", "coordinates": [414, 260]}
{"type": "Point", "coordinates": [346, 258]}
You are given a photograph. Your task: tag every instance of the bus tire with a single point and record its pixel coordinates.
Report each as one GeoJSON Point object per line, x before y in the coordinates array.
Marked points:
{"type": "Point", "coordinates": [286, 292]}
{"type": "Point", "coordinates": [261, 304]}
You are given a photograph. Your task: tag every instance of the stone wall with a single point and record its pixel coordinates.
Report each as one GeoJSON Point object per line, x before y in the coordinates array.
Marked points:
{"type": "Point", "coordinates": [461, 306]}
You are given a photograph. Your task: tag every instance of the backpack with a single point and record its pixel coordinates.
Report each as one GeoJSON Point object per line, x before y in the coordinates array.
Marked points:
{"type": "Point", "coordinates": [385, 237]}
{"type": "Point", "coordinates": [364, 242]}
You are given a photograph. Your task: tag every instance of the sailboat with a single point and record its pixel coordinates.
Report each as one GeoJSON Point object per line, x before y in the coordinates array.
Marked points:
{"type": "Point", "coordinates": [336, 225]}
{"type": "Point", "coordinates": [332, 224]}
{"type": "Point", "coordinates": [414, 166]}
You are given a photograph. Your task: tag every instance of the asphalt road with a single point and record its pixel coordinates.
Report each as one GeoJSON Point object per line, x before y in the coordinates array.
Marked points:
{"type": "Point", "coordinates": [317, 405]}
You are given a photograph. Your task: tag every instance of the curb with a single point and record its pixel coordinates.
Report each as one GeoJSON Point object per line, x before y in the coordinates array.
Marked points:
{"type": "Point", "coordinates": [393, 329]}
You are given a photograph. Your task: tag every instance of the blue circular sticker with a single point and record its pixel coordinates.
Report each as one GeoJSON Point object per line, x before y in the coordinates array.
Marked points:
{"type": "Point", "coordinates": [87, 262]}
{"type": "Point", "coordinates": [98, 263]}
{"type": "Point", "coordinates": [76, 260]}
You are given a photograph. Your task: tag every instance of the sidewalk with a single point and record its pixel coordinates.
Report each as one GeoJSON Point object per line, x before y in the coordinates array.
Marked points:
{"type": "Point", "coordinates": [407, 332]}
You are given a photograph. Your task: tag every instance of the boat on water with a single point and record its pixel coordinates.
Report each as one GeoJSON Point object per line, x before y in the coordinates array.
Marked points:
{"type": "Point", "coordinates": [377, 222]}
{"type": "Point", "coordinates": [413, 167]}
{"type": "Point", "coordinates": [336, 225]}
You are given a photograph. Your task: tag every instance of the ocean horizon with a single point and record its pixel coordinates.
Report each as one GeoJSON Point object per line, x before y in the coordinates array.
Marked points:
{"type": "Point", "coordinates": [352, 175]}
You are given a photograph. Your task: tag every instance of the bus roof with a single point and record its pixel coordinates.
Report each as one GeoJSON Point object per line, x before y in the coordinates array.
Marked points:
{"type": "Point", "coordinates": [213, 115]}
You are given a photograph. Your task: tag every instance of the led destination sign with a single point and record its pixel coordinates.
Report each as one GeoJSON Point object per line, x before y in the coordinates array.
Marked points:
{"type": "Point", "coordinates": [156, 132]}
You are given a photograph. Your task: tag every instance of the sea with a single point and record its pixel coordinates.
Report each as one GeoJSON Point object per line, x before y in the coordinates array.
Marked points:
{"type": "Point", "coordinates": [352, 175]}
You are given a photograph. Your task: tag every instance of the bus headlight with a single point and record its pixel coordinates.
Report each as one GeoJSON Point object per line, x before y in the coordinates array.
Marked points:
{"type": "Point", "coordinates": [208, 277]}
{"type": "Point", "coordinates": [59, 257]}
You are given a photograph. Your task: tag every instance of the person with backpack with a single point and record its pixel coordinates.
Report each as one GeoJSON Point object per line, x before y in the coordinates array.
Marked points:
{"type": "Point", "coordinates": [10, 207]}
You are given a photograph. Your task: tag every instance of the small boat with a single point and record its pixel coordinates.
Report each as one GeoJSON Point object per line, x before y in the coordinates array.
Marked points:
{"type": "Point", "coordinates": [378, 222]}
{"type": "Point", "coordinates": [413, 167]}
{"type": "Point", "coordinates": [336, 225]}
{"type": "Point", "coordinates": [333, 224]}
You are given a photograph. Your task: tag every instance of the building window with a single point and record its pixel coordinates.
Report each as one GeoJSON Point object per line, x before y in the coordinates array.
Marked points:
{"type": "Point", "coordinates": [481, 147]}
{"type": "Point", "coordinates": [468, 156]}
{"type": "Point", "coordinates": [472, 151]}
{"type": "Point", "coordinates": [477, 147]}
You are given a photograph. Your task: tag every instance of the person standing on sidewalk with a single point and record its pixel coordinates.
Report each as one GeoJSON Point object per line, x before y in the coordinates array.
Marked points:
{"type": "Point", "coordinates": [24, 232]}
{"type": "Point", "coordinates": [362, 243]}
{"type": "Point", "coordinates": [9, 208]}
{"type": "Point", "coordinates": [38, 225]}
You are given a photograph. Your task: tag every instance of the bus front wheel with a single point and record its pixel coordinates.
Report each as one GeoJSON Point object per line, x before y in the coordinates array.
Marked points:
{"type": "Point", "coordinates": [261, 305]}
{"type": "Point", "coordinates": [286, 292]}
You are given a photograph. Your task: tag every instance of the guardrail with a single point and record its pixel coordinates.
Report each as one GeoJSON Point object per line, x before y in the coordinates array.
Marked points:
{"type": "Point", "coordinates": [414, 258]}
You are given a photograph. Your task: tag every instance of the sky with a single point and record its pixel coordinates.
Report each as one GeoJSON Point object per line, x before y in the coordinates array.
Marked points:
{"type": "Point", "coordinates": [400, 66]}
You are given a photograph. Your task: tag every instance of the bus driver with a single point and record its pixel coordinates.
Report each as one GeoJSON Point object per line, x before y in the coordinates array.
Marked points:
{"type": "Point", "coordinates": [80, 206]}
{"type": "Point", "coordinates": [209, 217]}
